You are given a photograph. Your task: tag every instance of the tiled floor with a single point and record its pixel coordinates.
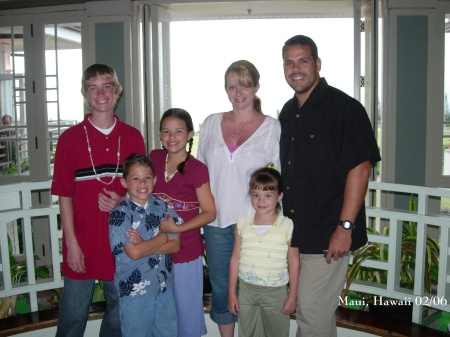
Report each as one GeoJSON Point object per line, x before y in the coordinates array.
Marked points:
{"type": "Point", "coordinates": [94, 326]}
{"type": "Point", "coordinates": [213, 330]}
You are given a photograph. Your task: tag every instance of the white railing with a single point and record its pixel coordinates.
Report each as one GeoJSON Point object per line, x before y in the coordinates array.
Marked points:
{"type": "Point", "coordinates": [18, 202]}
{"type": "Point", "coordinates": [424, 220]}
{"type": "Point", "coordinates": [22, 203]}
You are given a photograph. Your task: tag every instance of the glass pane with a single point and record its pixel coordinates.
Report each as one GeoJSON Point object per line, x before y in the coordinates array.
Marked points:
{"type": "Point", "coordinates": [13, 129]}
{"type": "Point", "coordinates": [365, 78]}
{"type": "Point", "coordinates": [42, 248]}
{"type": "Point", "coordinates": [371, 27]}
{"type": "Point", "coordinates": [52, 112]}
{"type": "Point", "coordinates": [52, 95]}
{"type": "Point", "coordinates": [445, 206]}
{"type": "Point", "coordinates": [337, 67]}
{"type": "Point", "coordinates": [63, 70]}
{"type": "Point", "coordinates": [51, 82]}
{"type": "Point", "coordinates": [446, 105]}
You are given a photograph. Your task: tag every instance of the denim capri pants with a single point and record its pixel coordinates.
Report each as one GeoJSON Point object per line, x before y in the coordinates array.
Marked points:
{"type": "Point", "coordinates": [219, 246]}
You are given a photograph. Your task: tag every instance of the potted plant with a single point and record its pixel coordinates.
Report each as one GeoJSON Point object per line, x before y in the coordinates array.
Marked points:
{"type": "Point", "coordinates": [379, 251]}
{"type": "Point", "coordinates": [18, 275]}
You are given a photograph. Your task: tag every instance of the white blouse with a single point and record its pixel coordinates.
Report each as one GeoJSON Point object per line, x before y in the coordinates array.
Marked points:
{"type": "Point", "coordinates": [229, 173]}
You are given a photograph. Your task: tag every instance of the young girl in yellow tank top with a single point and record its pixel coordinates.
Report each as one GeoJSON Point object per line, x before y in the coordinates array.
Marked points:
{"type": "Point", "coordinates": [263, 262]}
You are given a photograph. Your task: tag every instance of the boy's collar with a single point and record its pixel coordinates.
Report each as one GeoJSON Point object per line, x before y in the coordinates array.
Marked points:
{"type": "Point", "coordinates": [144, 207]}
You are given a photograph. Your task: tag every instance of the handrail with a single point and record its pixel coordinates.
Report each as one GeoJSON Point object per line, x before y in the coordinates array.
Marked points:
{"type": "Point", "coordinates": [21, 207]}
{"type": "Point", "coordinates": [25, 209]}
{"type": "Point", "coordinates": [395, 218]}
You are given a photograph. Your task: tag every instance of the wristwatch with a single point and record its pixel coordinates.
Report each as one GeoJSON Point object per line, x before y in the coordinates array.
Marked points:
{"type": "Point", "coordinates": [346, 224]}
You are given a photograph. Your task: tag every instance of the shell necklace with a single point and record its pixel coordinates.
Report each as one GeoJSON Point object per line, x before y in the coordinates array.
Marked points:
{"type": "Point", "coordinates": [168, 176]}
{"type": "Point", "coordinates": [92, 161]}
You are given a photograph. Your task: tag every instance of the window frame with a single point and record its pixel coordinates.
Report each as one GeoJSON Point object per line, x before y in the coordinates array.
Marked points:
{"type": "Point", "coordinates": [35, 85]}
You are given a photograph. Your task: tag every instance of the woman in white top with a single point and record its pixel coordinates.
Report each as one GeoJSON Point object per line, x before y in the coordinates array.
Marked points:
{"type": "Point", "coordinates": [233, 145]}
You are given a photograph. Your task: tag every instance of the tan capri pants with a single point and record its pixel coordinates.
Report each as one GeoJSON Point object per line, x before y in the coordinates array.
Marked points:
{"type": "Point", "coordinates": [260, 311]}
{"type": "Point", "coordinates": [319, 288]}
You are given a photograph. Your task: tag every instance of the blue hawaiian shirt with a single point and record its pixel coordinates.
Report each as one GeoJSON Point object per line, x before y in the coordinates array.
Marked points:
{"type": "Point", "coordinates": [149, 275]}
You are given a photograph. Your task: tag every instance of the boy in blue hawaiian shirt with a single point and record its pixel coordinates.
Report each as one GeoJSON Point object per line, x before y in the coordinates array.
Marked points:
{"type": "Point", "coordinates": [143, 275]}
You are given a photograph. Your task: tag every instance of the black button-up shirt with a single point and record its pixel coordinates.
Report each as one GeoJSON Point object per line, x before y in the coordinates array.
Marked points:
{"type": "Point", "coordinates": [320, 143]}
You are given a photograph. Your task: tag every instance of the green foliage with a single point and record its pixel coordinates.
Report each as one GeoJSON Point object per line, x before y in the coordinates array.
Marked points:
{"type": "Point", "coordinates": [446, 109]}
{"type": "Point", "coordinates": [98, 292]}
{"type": "Point", "coordinates": [19, 274]}
{"type": "Point", "coordinates": [19, 268]}
{"type": "Point", "coordinates": [12, 170]}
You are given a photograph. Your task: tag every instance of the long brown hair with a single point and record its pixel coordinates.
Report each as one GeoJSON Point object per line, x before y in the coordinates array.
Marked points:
{"type": "Point", "coordinates": [183, 115]}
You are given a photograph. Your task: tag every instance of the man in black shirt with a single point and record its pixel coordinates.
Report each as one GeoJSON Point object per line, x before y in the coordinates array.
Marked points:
{"type": "Point", "coordinates": [327, 150]}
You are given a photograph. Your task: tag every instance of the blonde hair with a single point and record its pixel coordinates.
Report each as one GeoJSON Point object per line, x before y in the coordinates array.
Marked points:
{"type": "Point", "coordinates": [248, 76]}
{"type": "Point", "coordinates": [105, 72]}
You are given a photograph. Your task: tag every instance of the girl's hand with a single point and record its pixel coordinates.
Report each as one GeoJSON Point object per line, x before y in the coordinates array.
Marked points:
{"type": "Point", "coordinates": [289, 306]}
{"type": "Point", "coordinates": [168, 225]}
{"type": "Point", "coordinates": [134, 236]}
{"type": "Point", "coordinates": [233, 304]}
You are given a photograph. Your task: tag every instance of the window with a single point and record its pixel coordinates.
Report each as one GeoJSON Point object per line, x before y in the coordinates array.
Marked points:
{"type": "Point", "coordinates": [197, 78]}
{"type": "Point", "coordinates": [40, 71]}
{"type": "Point", "coordinates": [189, 48]}
{"type": "Point", "coordinates": [63, 66]}
{"type": "Point", "coordinates": [14, 159]}
{"type": "Point", "coordinates": [205, 40]}
{"type": "Point", "coordinates": [446, 103]}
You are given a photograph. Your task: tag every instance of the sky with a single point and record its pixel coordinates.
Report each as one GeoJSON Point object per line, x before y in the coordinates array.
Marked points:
{"type": "Point", "coordinates": [201, 51]}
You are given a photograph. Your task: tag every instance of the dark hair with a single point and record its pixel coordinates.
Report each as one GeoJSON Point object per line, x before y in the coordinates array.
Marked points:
{"type": "Point", "coordinates": [104, 71]}
{"type": "Point", "coordinates": [304, 41]}
{"type": "Point", "coordinates": [7, 116]}
{"type": "Point", "coordinates": [136, 159]}
{"type": "Point", "coordinates": [186, 118]}
{"type": "Point", "coordinates": [266, 179]}
{"type": "Point", "coordinates": [248, 76]}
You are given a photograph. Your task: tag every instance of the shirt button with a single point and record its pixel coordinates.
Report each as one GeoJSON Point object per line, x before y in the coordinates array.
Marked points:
{"type": "Point", "coordinates": [292, 211]}
{"type": "Point", "coordinates": [107, 149]}
{"type": "Point", "coordinates": [292, 138]}
{"type": "Point", "coordinates": [311, 136]}
{"type": "Point", "coordinates": [297, 115]}
{"type": "Point", "coordinates": [287, 187]}
{"type": "Point", "coordinates": [289, 162]}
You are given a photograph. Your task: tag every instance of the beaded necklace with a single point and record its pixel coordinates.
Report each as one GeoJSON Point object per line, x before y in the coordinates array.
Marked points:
{"type": "Point", "coordinates": [168, 176]}
{"type": "Point", "coordinates": [92, 161]}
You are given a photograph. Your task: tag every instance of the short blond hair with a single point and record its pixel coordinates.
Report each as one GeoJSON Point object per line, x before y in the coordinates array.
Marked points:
{"type": "Point", "coordinates": [103, 71]}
